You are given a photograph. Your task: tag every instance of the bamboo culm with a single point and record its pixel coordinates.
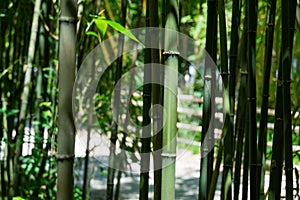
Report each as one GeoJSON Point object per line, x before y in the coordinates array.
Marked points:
{"type": "Point", "coordinates": [26, 90]}
{"type": "Point", "coordinates": [116, 102]}
{"type": "Point", "coordinates": [265, 96]}
{"type": "Point", "coordinates": [66, 129]}
{"type": "Point", "coordinates": [251, 7]}
{"type": "Point", "coordinates": [206, 165]}
{"type": "Point", "coordinates": [170, 103]}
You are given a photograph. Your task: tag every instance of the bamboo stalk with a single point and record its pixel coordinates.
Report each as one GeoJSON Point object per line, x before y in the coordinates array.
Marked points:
{"type": "Point", "coordinates": [146, 135]}
{"type": "Point", "coordinates": [117, 88]}
{"type": "Point", "coordinates": [288, 11]}
{"type": "Point", "coordinates": [241, 122]}
{"type": "Point", "coordinates": [170, 102]}
{"type": "Point", "coordinates": [206, 165]}
{"type": "Point", "coordinates": [6, 182]}
{"type": "Point", "coordinates": [43, 58]}
{"type": "Point", "coordinates": [66, 134]}
{"type": "Point", "coordinates": [157, 96]}
{"type": "Point", "coordinates": [3, 122]}
{"type": "Point", "coordinates": [246, 158]}
{"type": "Point", "coordinates": [251, 62]}
{"type": "Point", "coordinates": [123, 143]}
{"type": "Point", "coordinates": [245, 140]}
{"type": "Point", "coordinates": [85, 184]}
{"type": "Point", "coordinates": [226, 191]}
{"type": "Point", "coordinates": [265, 96]}
{"type": "Point", "coordinates": [277, 153]}
{"type": "Point", "coordinates": [233, 64]}
{"type": "Point", "coordinates": [25, 92]}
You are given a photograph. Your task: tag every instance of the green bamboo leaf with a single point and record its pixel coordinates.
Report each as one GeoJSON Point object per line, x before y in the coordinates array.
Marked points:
{"type": "Point", "coordinates": [122, 30]}
{"type": "Point", "coordinates": [47, 113]}
{"type": "Point", "coordinates": [2, 110]}
{"type": "Point", "coordinates": [12, 112]}
{"type": "Point", "coordinates": [46, 104]}
{"type": "Point", "coordinates": [101, 25]}
{"type": "Point", "coordinates": [18, 198]}
{"type": "Point", "coordinates": [100, 21]}
{"type": "Point", "coordinates": [92, 33]}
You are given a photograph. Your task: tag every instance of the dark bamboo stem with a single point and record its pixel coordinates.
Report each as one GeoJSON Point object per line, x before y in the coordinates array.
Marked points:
{"type": "Point", "coordinates": [206, 165]}
{"type": "Point", "coordinates": [288, 10]}
{"type": "Point", "coordinates": [146, 135]}
{"type": "Point", "coordinates": [265, 96]}
{"type": "Point", "coordinates": [114, 131]}
{"type": "Point", "coordinates": [251, 62]}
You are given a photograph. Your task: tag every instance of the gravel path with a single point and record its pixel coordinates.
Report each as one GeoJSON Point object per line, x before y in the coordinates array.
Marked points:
{"type": "Point", "coordinates": [187, 173]}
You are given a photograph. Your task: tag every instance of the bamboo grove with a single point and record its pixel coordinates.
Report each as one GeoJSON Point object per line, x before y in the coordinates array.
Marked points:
{"type": "Point", "coordinates": [255, 46]}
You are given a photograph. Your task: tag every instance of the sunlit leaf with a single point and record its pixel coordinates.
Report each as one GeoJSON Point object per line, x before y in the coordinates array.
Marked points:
{"type": "Point", "coordinates": [101, 25]}
{"type": "Point", "coordinates": [46, 104]}
{"type": "Point", "coordinates": [102, 20]}
{"type": "Point", "coordinates": [18, 198]}
{"type": "Point", "coordinates": [47, 113]}
{"type": "Point", "coordinates": [122, 30]}
{"type": "Point", "coordinates": [12, 112]}
{"type": "Point", "coordinates": [92, 33]}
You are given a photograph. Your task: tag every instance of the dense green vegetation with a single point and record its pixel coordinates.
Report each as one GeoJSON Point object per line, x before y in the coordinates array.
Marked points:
{"type": "Point", "coordinates": [247, 135]}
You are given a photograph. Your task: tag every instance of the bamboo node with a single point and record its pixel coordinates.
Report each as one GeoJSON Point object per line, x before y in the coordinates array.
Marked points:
{"type": "Point", "coordinates": [251, 99]}
{"type": "Point", "coordinates": [244, 72]}
{"type": "Point", "coordinates": [168, 155]}
{"type": "Point", "coordinates": [224, 73]}
{"type": "Point", "coordinates": [157, 117]}
{"type": "Point", "coordinates": [286, 82]}
{"type": "Point", "coordinates": [146, 95]}
{"type": "Point", "coordinates": [251, 31]}
{"type": "Point", "coordinates": [67, 19]}
{"type": "Point", "coordinates": [288, 169]}
{"type": "Point", "coordinates": [171, 53]}
{"type": "Point", "coordinates": [273, 164]}
{"type": "Point", "coordinates": [292, 29]}
{"type": "Point", "coordinates": [279, 82]}
{"type": "Point", "coordinates": [207, 77]}
{"type": "Point", "coordinates": [227, 166]}
{"type": "Point", "coordinates": [63, 157]}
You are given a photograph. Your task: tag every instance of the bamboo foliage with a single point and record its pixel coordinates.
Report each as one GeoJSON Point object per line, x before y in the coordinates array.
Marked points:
{"type": "Point", "coordinates": [66, 135]}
